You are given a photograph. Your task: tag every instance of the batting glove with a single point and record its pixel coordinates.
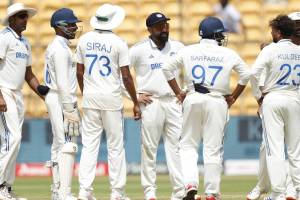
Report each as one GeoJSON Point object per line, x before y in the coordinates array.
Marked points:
{"type": "Point", "coordinates": [72, 119]}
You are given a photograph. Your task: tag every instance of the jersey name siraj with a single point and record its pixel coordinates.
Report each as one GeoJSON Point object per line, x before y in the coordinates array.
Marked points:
{"type": "Point", "coordinates": [98, 47]}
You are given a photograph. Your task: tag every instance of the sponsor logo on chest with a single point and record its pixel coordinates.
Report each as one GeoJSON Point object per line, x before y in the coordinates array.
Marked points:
{"type": "Point", "coordinates": [156, 65]}
{"type": "Point", "coordinates": [21, 55]}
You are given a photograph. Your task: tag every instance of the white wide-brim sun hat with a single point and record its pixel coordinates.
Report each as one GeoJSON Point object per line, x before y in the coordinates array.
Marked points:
{"type": "Point", "coordinates": [107, 17]}
{"type": "Point", "coordinates": [294, 16]}
{"type": "Point", "coordinates": [14, 9]}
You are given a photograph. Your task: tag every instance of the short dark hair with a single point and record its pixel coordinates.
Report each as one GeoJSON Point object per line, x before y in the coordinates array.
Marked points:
{"type": "Point", "coordinates": [284, 24]}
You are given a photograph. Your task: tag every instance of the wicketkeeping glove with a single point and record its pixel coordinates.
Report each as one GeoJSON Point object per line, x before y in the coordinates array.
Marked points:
{"type": "Point", "coordinates": [72, 119]}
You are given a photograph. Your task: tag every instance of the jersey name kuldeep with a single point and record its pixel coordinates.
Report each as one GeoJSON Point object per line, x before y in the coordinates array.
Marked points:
{"type": "Point", "coordinates": [98, 47]}
{"type": "Point", "coordinates": [291, 56]}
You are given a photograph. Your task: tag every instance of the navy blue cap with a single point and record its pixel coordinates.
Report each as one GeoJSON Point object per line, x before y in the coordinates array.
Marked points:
{"type": "Point", "coordinates": [63, 15]}
{"type": "Point", "coordinates": [210, 26]}
{"type": "Point", "coordinates": [155, 18]}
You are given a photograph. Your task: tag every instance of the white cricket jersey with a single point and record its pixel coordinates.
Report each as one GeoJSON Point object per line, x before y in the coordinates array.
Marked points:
{"type": "Point", "coordinates": [281, 63]}
{"type": "Point", "coordinates": [60, 69]}
{"type": "Point", "coordinates": [147, 61]}
{"type": "Point", "coordinates": [15, 56]}
{"type": "Point", "coordinates": [102, 53]}
{"type": "Point", "coordinates": [208, 64]}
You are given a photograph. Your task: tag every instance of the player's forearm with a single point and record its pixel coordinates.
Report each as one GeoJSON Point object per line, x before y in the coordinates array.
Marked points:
{"type": "Point", "coordinates": [174, 86]}
{"type": "Point", "coordinates": [238, 91]}
{"type": "Point", "coordinates": [32, 81]}
{"type": "Point", "coordinates": [129, 85]}
{"type": "Point", "coordinates": [79, 74]}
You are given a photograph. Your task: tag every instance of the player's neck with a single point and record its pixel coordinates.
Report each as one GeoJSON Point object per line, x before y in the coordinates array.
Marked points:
{"type": "Point", "coordinates": [18, 32]}
{"type": "Point", "coordinates": [160, 45]}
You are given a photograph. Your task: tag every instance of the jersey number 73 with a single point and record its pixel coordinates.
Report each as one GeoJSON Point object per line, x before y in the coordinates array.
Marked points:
{"type": "Point", "coordinates": [105, 69]}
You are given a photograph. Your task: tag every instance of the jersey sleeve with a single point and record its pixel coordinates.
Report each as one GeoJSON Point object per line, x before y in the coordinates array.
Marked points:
{"type": "Point", "coordinates": [133, 57]}
{"type": "Point", "coordinates": [29, 59]}
{"type": "Point", "coordinates": [258, 69]}
{"type": "Point", "coordinates": [123, 55]}
{"type": "Point", "coordinates": [79, 55]}
{"type": "Point", "coordinates": [3, 46]}
{"type": "Point", "coordinates": [172, 65]}
{"type": "Point", "coordinates": [60, 59]}
{"type": "Point", "coordinates": [262, 78]}
{"type": "Point", "coordinates": [241, 68]}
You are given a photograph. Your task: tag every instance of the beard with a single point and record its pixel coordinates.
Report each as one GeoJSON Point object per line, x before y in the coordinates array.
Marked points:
{"type": "Point", "coordinates": [163, 37]}
{"type": "Point", "coordinates": [275, 40]}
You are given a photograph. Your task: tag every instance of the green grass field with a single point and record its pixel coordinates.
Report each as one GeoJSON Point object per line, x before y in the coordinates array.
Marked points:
{"type": "Point", "coordinates": [38, 188]}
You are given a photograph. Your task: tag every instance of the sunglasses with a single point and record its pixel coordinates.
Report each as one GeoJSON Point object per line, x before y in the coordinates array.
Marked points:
{"type": "Point", "coordinates": [22, 16]}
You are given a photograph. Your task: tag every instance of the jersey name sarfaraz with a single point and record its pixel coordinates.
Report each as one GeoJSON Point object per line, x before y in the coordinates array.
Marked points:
{"type": "Point", "coordinates": [207, 58]}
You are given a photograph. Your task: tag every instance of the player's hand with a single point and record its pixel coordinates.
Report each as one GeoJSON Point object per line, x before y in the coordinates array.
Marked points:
{"type": "Point", "coordinates": [3, 107]}
{"type": "Point", "coordinates": [145, 98]}
{"type": "Point", "coordinates": [230, 100]}
{"type": "Point", "coordinates": [181, 96]}
{"type": "Point", "coordinates": [137, 112]}
{"type": "Point", "coordinates": [72, 120]}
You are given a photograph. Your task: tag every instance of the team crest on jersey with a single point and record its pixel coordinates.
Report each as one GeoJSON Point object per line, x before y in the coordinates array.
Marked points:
{"type": "Point", "coordinates": [151, 56]}
{"type": "Point", "coordinates": [172, 53]}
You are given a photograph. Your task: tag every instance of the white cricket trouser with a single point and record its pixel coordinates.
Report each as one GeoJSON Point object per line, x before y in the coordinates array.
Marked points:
{"type": "Point", "coordinates": [94, 121]}
{"type": "Point", "coordinates": [263, 177]}
{"type": "Point", "coordinates": [161, 118]}
{"type": "Point", "coordinates": [11, 123]}
{"type": "Point", "coordinates": [263, 182]}
{"type": "Point", "coordinates": [281, 119]}
{"type": "Point", "coordinates": [55, 112]}
{"type": "Point", "coordinates": [204, 117]}
{"type": "Point", "coordinates": [62, 175]}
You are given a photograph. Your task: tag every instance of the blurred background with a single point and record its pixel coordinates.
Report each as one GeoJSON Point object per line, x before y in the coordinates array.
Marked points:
{"type": "Point", "coordinates": [243, 134]}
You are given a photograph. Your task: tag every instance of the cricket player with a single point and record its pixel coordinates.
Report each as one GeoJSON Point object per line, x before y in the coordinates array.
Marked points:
{"type": "Point", "coordinates": [15, 68]}
{"type": "Point", "coordinates": [161, 114]}
{"type": "Point", "coordinates": [61, 102]}
{"type": "Point", "coordinates": [263, 185]}
{"type": "Point", "coordinates": [280, 105]}
{"type": "Point", "coordinates": [207, 66]}
{"type": "Point", "coordinates": [101, 57]}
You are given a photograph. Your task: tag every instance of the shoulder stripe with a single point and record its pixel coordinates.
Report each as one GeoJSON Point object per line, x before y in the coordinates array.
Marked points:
{"type": "Point", "coordinates": [4, 31]}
